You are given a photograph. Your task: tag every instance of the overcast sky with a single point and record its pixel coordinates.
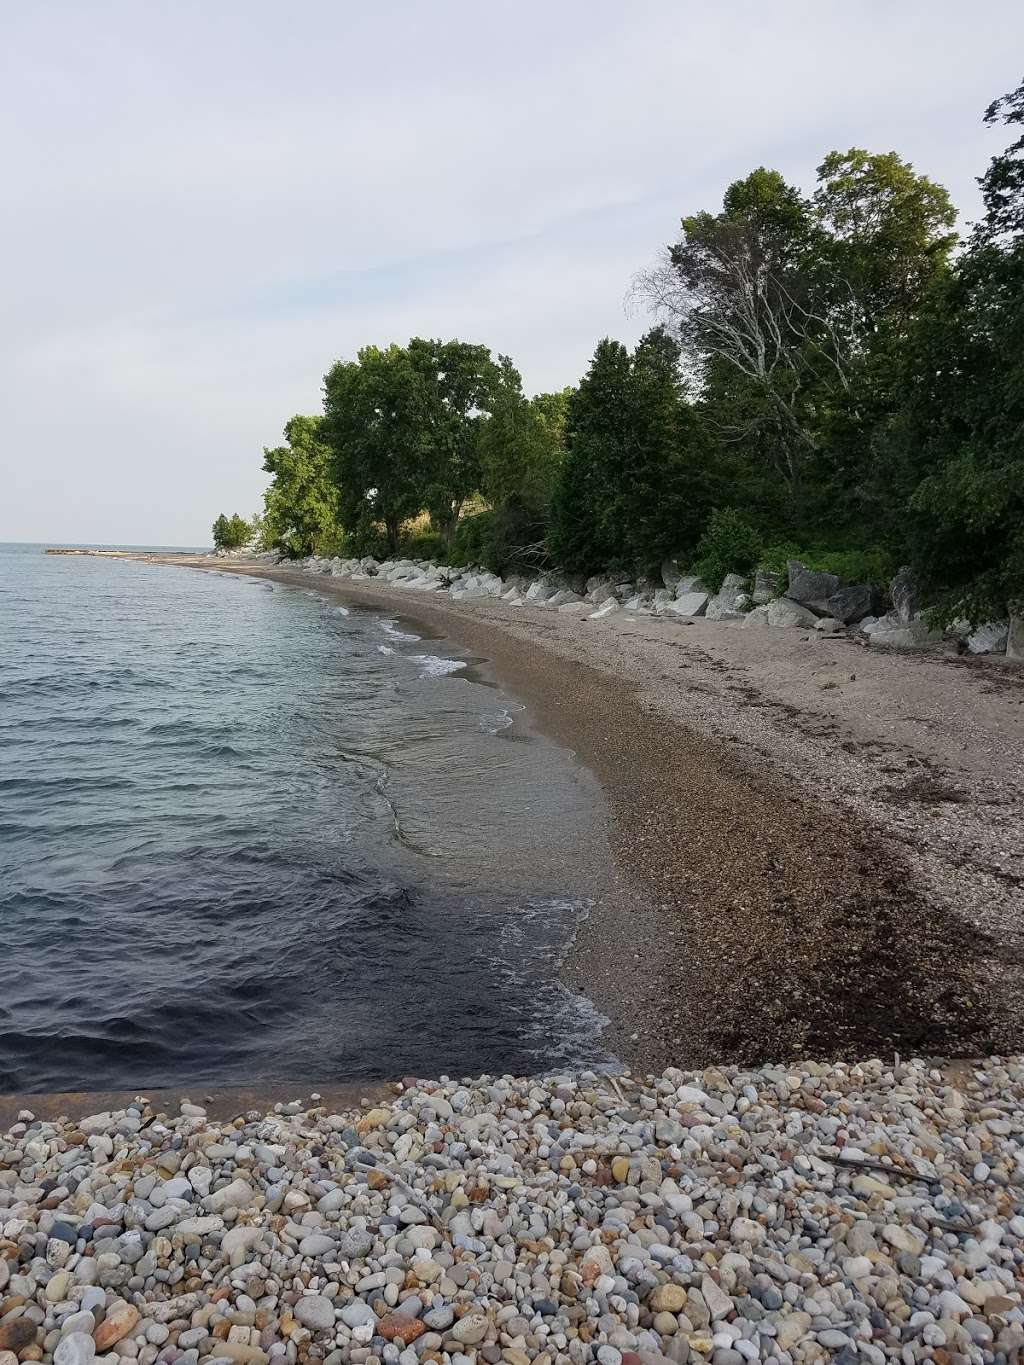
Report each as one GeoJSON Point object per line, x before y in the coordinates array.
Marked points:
{"type": "Point", "coordinates": [207, 202]}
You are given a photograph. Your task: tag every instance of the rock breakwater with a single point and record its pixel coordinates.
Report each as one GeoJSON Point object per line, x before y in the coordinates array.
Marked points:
{"type": "Point", "coordinates": [850, 1213]}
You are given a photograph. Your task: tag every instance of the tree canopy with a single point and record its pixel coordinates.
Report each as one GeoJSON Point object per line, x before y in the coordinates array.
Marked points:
{"type": "Point", "coordinates": [828, 375]}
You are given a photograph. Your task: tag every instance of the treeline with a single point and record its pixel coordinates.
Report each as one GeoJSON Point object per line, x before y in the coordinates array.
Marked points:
{"type": "Point", "coordinates": [832, 375]}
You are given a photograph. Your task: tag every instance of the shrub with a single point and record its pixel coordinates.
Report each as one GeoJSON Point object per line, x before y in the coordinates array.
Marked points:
{"type": "Point", "coordinates": [872, 564]}
{"type": "Point", "coordinates": [424, 545]}
{"type": "Point", "coordinates": [729, 545]}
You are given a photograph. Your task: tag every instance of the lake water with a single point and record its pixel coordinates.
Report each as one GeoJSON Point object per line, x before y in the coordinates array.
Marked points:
{"type": "Point", "coordinates": [247, 835]}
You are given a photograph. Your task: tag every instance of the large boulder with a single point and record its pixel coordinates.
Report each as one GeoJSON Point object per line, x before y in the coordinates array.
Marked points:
{"type": "Point", "coordinates": [896, 634]}
{"type": "Point", "coordinates": [731, 600]}
{"type": "Point", "coordinates": [767, 584]}
{"type": "Point", "coordinates": [851, 604]}
{"type": "Point", "coordinates": [607, 607]}
{"type": "Point", "coordinates": [689, 583]}
{"type": "Point", "coordinates": [810, 588]}
{"type": "Point", "coordinates": [1015, 638]}
{"type": "Point", "coordinates": [562, 598]}
{"type": "Point", "coordinates": [690, 604]}
{"type": "Point", "coordinates": [782, 612]}
{"type": "Point", "coordinates": [670, 572]}
{"type": "Point", "coordinates": [539, 592]}
{"type": "Point", "coordinates": [757, 617]}
{"type": "Point", "coordinates": [989, 638]}
{"type": "Point", "coordinates": [903, 590]}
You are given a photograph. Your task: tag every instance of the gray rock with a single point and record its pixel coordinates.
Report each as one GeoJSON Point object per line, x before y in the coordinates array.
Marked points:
{"type": "Point", "coordinates": [358, 1314]}
{"type": "Point", "coordinates": [782, 612]}
{"type": "Point", "coordinates": [767, 584]}
{"type": "Point", "coordinates": [915, 634]}
{"type": "Point", "coordinates": [903, 590]}
{"type": "Point", "coordinates": [810, 588]}
{"type": "Point", "coordinates": [1015, 638]}
{"type": "Point", "coordinates": [757, 617]}
{"type": "Point", "coordinates": [315, 1312]}
{"type": "Point", "coordinates": [670, 572]}
{"type": "Point", "coordinates": [690, 604]}
{"type": "Point", "coordinates": [355, 1244]}
{"type": "Point", "coordinates": [77, 1348]}
{"type": "Point", "coordinates": [316, 1244]}
{"type": "Point", "coordinates": [689, 583]}
{"type": "Point", "coordinates": [851, 603]}
{"type": "Point", "coordinates": [729, 602]}
{"type": "Point", "coordinates": [989, 638]}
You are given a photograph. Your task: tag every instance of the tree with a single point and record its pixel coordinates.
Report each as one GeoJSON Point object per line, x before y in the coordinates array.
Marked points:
{"type": "Point", "coordinates": [636, 483]}
{"type": "Point", "coordinates": [302, 504]}
{"type": "Point", "coordinates": [375, 425]}
{"type": "Point", "coordinates": [886, 234]}
{"type": "Point", "coordinates": [791, 312]}
{"type": "Point", "coordinates": [521, 446]}
{"type": "Point", "coordinates": [231, 533]}
{"type": "Point", "coordinates": [669, 479]}
{"type": "Point", "coordinates": [959, 439]}
{"type": "Point", "coordinates": [457, 383]}
{"type": "Point", "coordinates": [586, 519]}
{"type": "Point", "coordinates": [738, 291]}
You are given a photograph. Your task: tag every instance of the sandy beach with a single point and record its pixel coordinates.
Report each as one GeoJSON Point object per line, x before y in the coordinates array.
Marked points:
{"type": "Point", "coordinates": [819, 846]}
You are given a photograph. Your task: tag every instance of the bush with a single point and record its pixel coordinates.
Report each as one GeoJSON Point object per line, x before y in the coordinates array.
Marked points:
{"type": "Point", "coordinates": [231, 533]}
{"type": "Point", "coordinates": [873, 564]}
{"type": "Point", "coordinates": [728, 545]}
{"type": "Point", "coordinates": [474, 541]}
{"type": "Point", "coordinates": [424, 545]}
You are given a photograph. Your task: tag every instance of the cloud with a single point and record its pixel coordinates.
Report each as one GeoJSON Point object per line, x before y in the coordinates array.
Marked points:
{"type": "Point", "coordinates": [206, 205]}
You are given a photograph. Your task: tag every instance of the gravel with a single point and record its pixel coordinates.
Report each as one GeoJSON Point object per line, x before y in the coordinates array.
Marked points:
{"type": "Point", "coordinates": [840, 1212]}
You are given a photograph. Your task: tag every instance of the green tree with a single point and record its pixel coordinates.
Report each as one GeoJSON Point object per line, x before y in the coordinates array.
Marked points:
{"type": "Point", "coordinates": [636, 482]}
{"type": "Point", "coordinates": [586, 511]}
{"type": "Point", "coordinates": [457, 383]}
{"type": "Point", "coordinates": [231, 533]}
{"type": "Point", "coordinates": [375, 425]}
{"type": "Point", "coordinates": [521, 447]}
{"type": "Point", "coordinates": [668, 475]}
{"type": "Point", "coordinates": [959, 440]}
{"type": "Point", "coordinates": [302, 505]}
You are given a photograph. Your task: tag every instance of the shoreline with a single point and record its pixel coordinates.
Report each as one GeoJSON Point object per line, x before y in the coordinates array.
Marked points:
{"type": "Point", "coordinates": [761, 909]}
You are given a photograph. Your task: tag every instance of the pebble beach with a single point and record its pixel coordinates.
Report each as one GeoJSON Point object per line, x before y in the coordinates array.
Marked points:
{"type": "Point", "coordinates": [870, 1212]}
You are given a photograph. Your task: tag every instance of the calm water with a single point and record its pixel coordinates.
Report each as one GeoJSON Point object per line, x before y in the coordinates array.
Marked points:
{"type": "Point", "coordinates": [245, 835]}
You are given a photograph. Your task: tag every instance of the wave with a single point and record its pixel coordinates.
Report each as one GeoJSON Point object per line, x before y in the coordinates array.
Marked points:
{"type": "Point", "coordinates": [391, 628]}
{"type": "Point", "coordinates": [432, 666]}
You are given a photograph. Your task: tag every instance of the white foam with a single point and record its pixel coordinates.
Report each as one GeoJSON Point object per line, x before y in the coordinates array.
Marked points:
{"type": "Point", "coordinates": [391, 628]}
{"type": "Point", "coordinates": [433, 667]}
{"type": "Point", "coordinates": [385, 649]}
{"type": "Point", "coordinates": [342, 611]}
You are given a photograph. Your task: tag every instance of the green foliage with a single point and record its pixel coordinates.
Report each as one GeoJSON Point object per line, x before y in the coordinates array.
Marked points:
{"type": "Point", "coordinates": [374, 424]}
{"type": "Point", "coordinates": [423, 545]}
{"type": "Point", "coordinates": [958, 443]}
{"type": "Point", "coordinates": [636, 483]}
{"type": "Point", "coordinates": [729, 545]}
{"type": "Point", "coordinates": [456, 384]}
{"type": "Point", "coordinates": [231, 533]}
{"type": "Point", "coordinates": [875, 564]}
{"type": "Point", "coordinates": [301, 508]}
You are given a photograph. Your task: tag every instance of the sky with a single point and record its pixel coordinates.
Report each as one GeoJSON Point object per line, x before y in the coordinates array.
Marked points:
{"type": "Point", "coordinates": [208, 202]}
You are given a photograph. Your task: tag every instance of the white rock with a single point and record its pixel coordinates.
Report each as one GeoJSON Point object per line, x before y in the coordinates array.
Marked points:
{"type": "Point", "coordinates": [77, 1348]}
{"type": "Point", "coordinates": [689, 604]}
